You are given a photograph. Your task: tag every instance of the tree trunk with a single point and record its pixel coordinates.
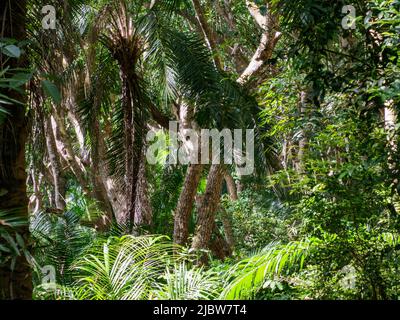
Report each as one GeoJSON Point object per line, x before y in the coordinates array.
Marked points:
{"type": "Point", "coordinates": [225, 218]}
{"type": "Point", "coordinates": [390, 118]}
{"type": "Point", "coordinates": [219, 245]}
{"type": "Point", "coordinates": [36, 199]}
{"type": "Point", "coordinates": [56, 169]}
{"type": "Point", "coordinates": [17, 283]}
{"type": "Point", "coordinates": [134, 135]}
{"type": "Point", "coordinates": [230, 184]}
{"type": "Point", "coordinates": [185, 203]}
{"type": "Point", "coordinates": [124, 218]}
{"type": "Point", "coordinates": [99, 173]}
{"type": "Point", "coordinates": [189, 189]}
{"type": "Point", "coordinates": [228, 230]}
{"type": "Point", "coordinates": [143, 210]}
{"type": "Point", "coordinates": [304, 101]}
{"type": "Point", "coordinates": [269, 38]}
{"type": "Point", "coordinates": [208, 208]}
{"type": "Point", "coordinates": [64, 147]}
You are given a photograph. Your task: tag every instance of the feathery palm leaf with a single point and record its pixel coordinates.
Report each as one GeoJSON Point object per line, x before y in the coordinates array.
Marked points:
{"type": "Point", "coordinates": [124, 268]}
{"type": "Point", "coordinates": [182, 283]}
{"type": "Point", "coordinates": [249, 275]}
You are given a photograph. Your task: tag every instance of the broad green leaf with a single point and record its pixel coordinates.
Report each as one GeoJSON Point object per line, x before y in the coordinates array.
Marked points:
{"type": "Point", "coordinates": [19, 79]}
{"type": "Point", "coordinates": [12, 51]}
{"type": "Point", "coordinates": [52, 91]}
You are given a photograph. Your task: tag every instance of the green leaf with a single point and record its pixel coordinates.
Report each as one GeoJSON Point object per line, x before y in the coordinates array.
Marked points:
{"type": "Point", "coordinates": [11, 242]}
{"type": "Point", "coordinates": [52, 91]}
{"type": "Point", "coordinates": [20, 240]}
{"type": "Point", "coordinates": [4, 248]}
{"type": "Point", "coordinates": [12, 51]}
{"type": "Point", "coordinates": [10, 100]}
{"type": "Point", "coordinates": [19, 79]}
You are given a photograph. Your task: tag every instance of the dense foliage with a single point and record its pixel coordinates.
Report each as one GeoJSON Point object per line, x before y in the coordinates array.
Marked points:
{"type": "Point", "coordinates": [318, 219]}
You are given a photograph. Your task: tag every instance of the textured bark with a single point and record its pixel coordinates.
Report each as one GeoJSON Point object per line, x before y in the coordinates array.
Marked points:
{"type": "Point", "coordinates": [65, 149]}
{"type": "Point", "coordinates": [73, 118]}
{"type": "Point", "coordinates": [189, 189]}
{"type": "Point", "coordinates": [269, 38]}
{"type": "Point", "coordinates": [304, 100]}
{"type": "Point", "coordinates": [225, 218]}
{"type": "Point", "coordinates": [98, 176]}
{"type": "Point", "coordinates": [113, 188]}
{"type": "Point", "coordinates": [48, 180]}
{"type": "Point", "coordinates": [100, 194]}
{"type": "Point", "coordinates": [36, 199]}
{"type": "Point", "coordinates": [17, 283]}
{"type": "Point", "coordinates": [230, 184]}
{"type": "Point", "coordinates": [137, 151]}
{"type": "Point", "coordinates": [126, 49]}
{"type": "Point", "coordinates": [56, 169]}
{"type": "Point", "coordinates": [219, 245]}
{"type": "Point", "coordinates": [208, 208]}
{"type": "Point", "coordinates": [228, 230]}
{"type": "Point", "coordinates": [390, 118]}
{"type": "Point", "coordinates": [143, 209]}
{"type": "Point", "coordinates": [125, 218]}
{"type": "Point", "coordinates": [133, 124]}
{"type": "Point", "coordinates": [185, 204]}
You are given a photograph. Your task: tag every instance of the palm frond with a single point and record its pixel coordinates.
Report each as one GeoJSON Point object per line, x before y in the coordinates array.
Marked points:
{"type": "Point", "coordinates": [182, 283]}
{"type": "Point", "coordinates": [124, 268]}
{"type": "Point", "coordinates": [60, 240]}
{"type": "Point", "coordinates": [249, 275]}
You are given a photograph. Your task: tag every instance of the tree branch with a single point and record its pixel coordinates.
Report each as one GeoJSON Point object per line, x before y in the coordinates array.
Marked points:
{"type": "Point", "coordinates": [268, 41]}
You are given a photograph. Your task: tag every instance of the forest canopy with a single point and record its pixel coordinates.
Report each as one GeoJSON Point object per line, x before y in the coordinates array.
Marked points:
{"type": "Point", "coordinates": [198, 149]}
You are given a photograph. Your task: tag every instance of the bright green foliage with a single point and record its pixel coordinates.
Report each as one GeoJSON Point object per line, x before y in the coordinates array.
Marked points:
{"type": "Point", "coordinates": [257, 219]}
{"type": "Point", "coordinates": [252, 274]}
{"type": "Point", "coordinates": [132, 268]}
{"type": "Point", "coordinates": [59, 241]}
{"type": "Point", "coordinates": [319, 219]}
{"type": "Point", "coordinates": [182, 283]}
